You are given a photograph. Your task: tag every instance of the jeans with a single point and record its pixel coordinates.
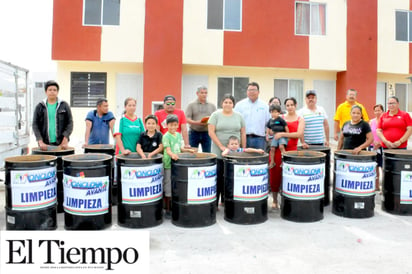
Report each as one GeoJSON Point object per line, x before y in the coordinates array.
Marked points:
{"type": "Point", "coordinates": [200, 137]}
{"type": "Point", "coordinates": [255, 142]}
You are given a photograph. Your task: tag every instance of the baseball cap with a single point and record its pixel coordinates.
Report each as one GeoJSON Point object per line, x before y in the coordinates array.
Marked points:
{"type": "Point", "coordinates": [310, 92]}
{"type": "Point", "coordinates": [169, 97]}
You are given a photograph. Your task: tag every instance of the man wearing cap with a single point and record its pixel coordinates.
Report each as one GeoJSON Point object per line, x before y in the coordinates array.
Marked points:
{"type": "Point", "coordinates": [342, 114]}
{"type": "Point", "coordinates": [316, 130]}
{"type": "Point", "coordinates": [98, 123]}
{"type": "Point", "coordinates": [256, 114]}
{"type": "Point", "coordinates": [169, 107]}
{"type": "Point", "coordinates": [197, 113]}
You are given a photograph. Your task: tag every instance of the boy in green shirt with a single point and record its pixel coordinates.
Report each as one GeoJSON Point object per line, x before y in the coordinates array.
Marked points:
{"type": "Point", "coordinates": [172, 146]}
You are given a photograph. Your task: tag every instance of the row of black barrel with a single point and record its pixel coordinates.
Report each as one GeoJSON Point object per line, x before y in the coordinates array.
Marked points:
{"type": "Point", "coordinates": [189, 215]}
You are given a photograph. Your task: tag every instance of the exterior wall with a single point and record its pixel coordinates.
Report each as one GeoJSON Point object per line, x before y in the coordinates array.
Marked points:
{"type": "Point", "coordinates": [200, 45]}
{"type": "Point", "coordinates": [125, 43]}
{"type": "Point", "coordinates": [329, 52]}
{"type": "Point", "coordinates": [361, 54]}
{"type": "Point", "coordinates": [393, 56]}
{"type": "Point", "coordinates": [70, 39]}
{"type": "Point", "coordinates": [267, 38]}
{"type": "Point", "coordinates": [79, 114]}
{"type": "Point", "coordinates": [162, 50]}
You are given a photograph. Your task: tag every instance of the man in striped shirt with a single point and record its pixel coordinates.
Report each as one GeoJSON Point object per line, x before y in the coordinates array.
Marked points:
{"type": "Point", "coordinates": [316, 122]}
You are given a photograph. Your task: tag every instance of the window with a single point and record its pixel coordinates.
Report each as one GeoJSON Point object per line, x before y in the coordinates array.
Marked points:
{"type": "Point", "coordinates": [233, 85]}
{"type": "Point", "coordinates": [224, 14]}
{"type": "Point", "coordinates": [403, 25]}
{"type": "Point", "coordinates": [87, 87]}
{"type": "Point", "coordinates": [310, 18]}
{"type": "Point", "coordinates": [285, 88]}
{"type": "Point", "coordinates": [101, 12]}
{"type": "Point", "coordinates": [401, 91]}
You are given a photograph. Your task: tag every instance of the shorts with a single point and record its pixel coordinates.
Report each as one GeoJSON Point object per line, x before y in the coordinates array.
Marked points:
{"type": "Point", "coordinates": [167, 182]}
{"type": "Point", "coordinates": [280, 141]}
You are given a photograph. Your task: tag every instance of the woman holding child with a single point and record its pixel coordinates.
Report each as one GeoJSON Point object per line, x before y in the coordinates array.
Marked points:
{"type": "Point", "coordinates": [222, 124]}
{"type": "Point", "coordinates": [296, 126]}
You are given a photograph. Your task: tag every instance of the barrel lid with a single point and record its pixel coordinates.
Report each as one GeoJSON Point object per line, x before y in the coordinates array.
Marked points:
{"type": "Point", "coordinates": [135, 157]}
{"type": "Point", "coordinates": [247, 155]}
{"type": "Point", "coordinates": [304, 154]}
{"type": "Point", "coordinates": [87, 157]}
{"type": "Point", "coordinates": [402, 153]}
{"type": "Point", "coordinates": [315, 148]}
{"type": "Point", "coordinates": [100, 146]}
{"type": "Point", "coordinates": [30, 159]}
{"type": "Point", "coordinates": [53, 150]}
{"type": "Point", "coordinates": [197, 156]}
{"type": "Point", "coordinates": [363, 155]}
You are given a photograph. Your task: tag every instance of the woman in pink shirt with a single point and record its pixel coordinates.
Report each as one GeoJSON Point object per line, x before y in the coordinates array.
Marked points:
{"type": "Point", "coordinates": [376, 145]}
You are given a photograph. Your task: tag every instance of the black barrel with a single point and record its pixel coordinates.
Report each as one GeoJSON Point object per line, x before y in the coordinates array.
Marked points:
{"type": "Point", "coordinates": [86, 181]}
{"type": "Point", "coordinates": [31, 193]}
{"type": "Point", "coordinates": [109, 150]}
{"type": "Point", "coordinates": [303, 186]}
{"type": "Point", "coordinates": [59, 153]}
{"type": "Point", "coordinates": [326, 150]}
{"type": "Point", "coordinates": [194, 190]}
{"type": "Point", "coordinates": [246, 187]}
{"type": "Point", "coordinates": [397, 181]}
{"type": "Point", "coordinates": [354, 184]}
{"type": "Point", "coordinates": [140, 196]}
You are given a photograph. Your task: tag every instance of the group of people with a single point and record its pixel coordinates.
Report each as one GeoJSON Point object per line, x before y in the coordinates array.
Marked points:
{"type": "Point", "coordinates": [250, 125]}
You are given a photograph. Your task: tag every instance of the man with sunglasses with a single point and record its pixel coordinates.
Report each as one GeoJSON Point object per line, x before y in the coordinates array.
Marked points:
{"type": "Point", "coordinates": [169, 107]}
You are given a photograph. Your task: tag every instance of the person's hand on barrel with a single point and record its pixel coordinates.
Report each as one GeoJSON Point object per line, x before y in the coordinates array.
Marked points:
{"type": "Point", "coordinates": [174, 156]}
{"type": "Point", "coordinates": [42, 145]}
{"type": "Point", "coordinates": [305, 145]}
{"type": "Point", "coordinates": [126, 152]}
{"type": "Point", "coordinates": [65, 143]}
{"type": "Point", "coordinates": [356, 150]}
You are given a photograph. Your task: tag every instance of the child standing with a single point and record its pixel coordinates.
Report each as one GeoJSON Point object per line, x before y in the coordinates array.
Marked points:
{"type": "Point", "coordinates": [276, 124]}
{"type": "Point", "coordinates": [150, 140]}
{"type": "Point", "coordinates": [233, 145]}
{"type": "Point", "coordinates": [172, 145]}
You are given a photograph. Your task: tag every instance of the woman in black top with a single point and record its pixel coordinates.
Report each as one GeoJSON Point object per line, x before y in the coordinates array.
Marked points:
{"type": "Point", "coordinates": [356, 134]}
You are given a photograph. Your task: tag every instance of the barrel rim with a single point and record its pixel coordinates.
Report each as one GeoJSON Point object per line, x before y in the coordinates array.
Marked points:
{"type": "Point", "coordinates": [241, 155]}
{"type": "Point", "coordinates": [41, 159]}
{"type": "Point", "coordinates": [347, 154]}
{"type": "Point", "coordinates": [128, 158]}
{"type": "Point", "coordinates": [300, 154]}
{"type": "Point", "coordinates": [37, 149]}
{"type": "Point", "coordinates": [78, 157]}
{"type": "Point", "coordinates": [199, 156]}
{"type": "Point", "coordinates": [99, 146]}
{"type": "Point", "coordinates": [397, 152]}
{"type": "Point", "coordinates": [315, 148]}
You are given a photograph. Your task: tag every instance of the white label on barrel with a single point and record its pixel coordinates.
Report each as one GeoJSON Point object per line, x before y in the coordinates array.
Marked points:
{"type": "Point", "coordinates": [250, 182]}
{"type": "Point", "coordinates": [406, 187]}
{"type": "Point", "coordinates": [141, 185]}
{"type": "Point", "coordinates": [201, 184]}
{"type": "Point", "coordinates": [86, 195]}
{"type": "Point", "coordinates": [303, 182]}
{"type": "Point", "coordinates": [355, 178]}
{"type": "Point", "coordinates": [33, 189]}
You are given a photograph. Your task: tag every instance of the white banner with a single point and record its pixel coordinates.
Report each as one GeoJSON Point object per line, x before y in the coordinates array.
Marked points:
{"type": "Point", "coordinates": [303, 182]}
{"type": "Point", "coordinates": [142, 185]}
{"type": "Point", "coordinates": [33, 189]}
{"type": "Point", "coordinates": [55, 252]}
{"type": "Point", "coordinates": [201, 185]}
{"type": "Point", "coordinates": [406, 187]}
{"type": "Point", "coordinates": [86, 195]}
{"type": "Point", "coordinates": [250, 182]}
{"type": "Point", "coordinates": [355, 178]}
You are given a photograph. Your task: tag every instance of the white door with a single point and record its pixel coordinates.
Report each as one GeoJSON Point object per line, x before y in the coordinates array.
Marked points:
{"type": "Point", "coordinates": [129, 85]}
{"type": "Point", "coordinates": [326, 93]}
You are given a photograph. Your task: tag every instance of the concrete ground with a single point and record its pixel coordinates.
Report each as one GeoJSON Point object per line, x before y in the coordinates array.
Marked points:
{"type": "Point", "coordinates": [380, 244]}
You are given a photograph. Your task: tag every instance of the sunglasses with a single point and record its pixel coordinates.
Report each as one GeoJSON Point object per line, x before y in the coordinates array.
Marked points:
{"type": "Point", "coordinates": [170, 104]}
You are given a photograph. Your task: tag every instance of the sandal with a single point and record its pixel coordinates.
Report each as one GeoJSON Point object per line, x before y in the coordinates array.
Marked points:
{"type": "Point", "coordinates": [272, 165]}
{"type": "Point", "coordinates": [275, 205]}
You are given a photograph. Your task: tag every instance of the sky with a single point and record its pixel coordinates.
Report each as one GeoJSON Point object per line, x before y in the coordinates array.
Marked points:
{"type": "Point", "coordinates": [25, 34]}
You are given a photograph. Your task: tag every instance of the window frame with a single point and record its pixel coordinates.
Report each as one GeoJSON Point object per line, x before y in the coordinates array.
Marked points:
{"type": "Point", "coordinates": [223, 17]}
{"type": "Point", "coordinates": [300, 100]}
{"type": "Point", "coordinates": [409, 38]}
{"type": "Point", "coordinates": [218, 103]}
{"type": "Point", "coordinates": [101, 15]}
{"type": "Point", "coordinates": [310, 18]}
{"type": "Point", "coordinates": [91, 102]}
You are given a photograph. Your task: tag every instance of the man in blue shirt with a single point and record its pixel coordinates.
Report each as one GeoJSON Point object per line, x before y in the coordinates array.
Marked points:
{"type": "Point", "coordinates": [256, 115]}
{"type": "Point", "coordinates": [98, 124]}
